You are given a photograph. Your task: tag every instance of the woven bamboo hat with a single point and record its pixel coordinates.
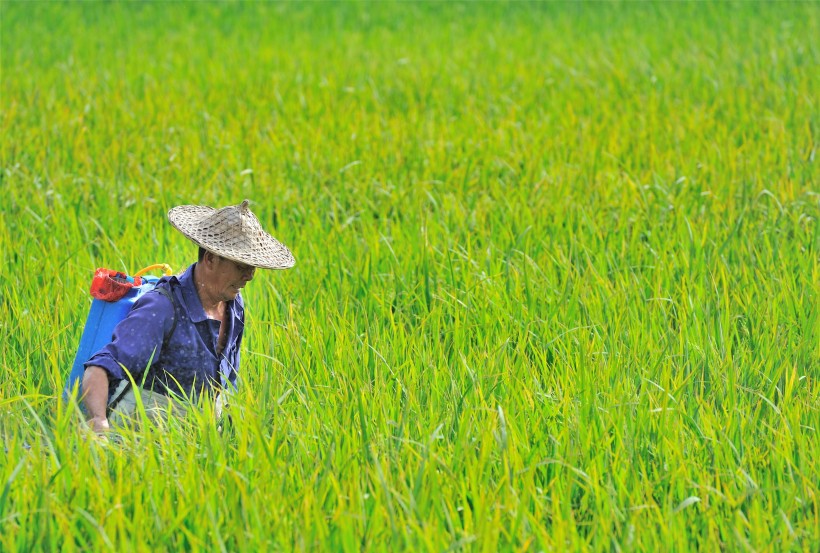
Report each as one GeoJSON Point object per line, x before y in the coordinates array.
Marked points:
{"type": "Point", "coordinates": [232, 232]}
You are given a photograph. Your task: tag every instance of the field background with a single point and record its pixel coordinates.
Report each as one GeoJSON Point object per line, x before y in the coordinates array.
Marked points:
{"type": "Point", "coordinates": [556, 283]}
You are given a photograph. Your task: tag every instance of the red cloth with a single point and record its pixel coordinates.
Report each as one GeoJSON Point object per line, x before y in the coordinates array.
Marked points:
{"type": "Point", "coordinates": [108, 285]}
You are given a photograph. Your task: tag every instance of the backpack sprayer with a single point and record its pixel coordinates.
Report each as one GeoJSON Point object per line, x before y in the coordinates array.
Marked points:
{"type": "Point", "coordinates": [114, 295]}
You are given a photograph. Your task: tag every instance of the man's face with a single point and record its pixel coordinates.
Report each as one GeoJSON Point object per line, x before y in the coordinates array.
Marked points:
{"type": "Point", "coordinates": [228, 277]}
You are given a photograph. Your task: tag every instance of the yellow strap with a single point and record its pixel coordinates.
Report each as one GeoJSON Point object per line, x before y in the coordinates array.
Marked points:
{"type": "Point", "coordinates": [164, 266]}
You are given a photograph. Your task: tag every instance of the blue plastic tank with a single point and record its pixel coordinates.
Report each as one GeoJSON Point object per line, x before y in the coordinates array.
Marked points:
{"type": "Point", "coordinates": [99, 329]}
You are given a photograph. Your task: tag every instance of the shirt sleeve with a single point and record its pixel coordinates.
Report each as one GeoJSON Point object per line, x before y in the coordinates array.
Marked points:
{"type": "Point", "coordinates": [137, 339]}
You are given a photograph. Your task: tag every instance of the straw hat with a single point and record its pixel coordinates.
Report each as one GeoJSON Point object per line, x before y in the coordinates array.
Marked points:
{"type": "Point", "coordinates": [232, 232]}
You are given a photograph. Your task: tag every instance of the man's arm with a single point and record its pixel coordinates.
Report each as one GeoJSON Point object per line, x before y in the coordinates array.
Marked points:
{"type": "Point", "coordinates": [135, 341]}
{"type": "Point", "coordinates": [95, 397]}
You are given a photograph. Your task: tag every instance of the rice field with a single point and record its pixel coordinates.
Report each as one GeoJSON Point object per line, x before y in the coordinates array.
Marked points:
{"type": "Point", "coordinates": [556, 285]}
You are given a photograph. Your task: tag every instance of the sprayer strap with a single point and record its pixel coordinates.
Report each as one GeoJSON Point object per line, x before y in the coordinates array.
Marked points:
{"type": "Point", "coordinates": [121, 391]}
{"type": "Point", "coordinates": [168, 294]}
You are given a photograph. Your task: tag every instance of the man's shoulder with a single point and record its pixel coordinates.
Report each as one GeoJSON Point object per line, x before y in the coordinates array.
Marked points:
{"type": "Point", "coordinates": [157, 299]}
{"type": "Point", "coordinates": [166, 286]}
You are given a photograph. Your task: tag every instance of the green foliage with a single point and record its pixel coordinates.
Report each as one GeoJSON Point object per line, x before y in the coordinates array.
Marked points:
{"type": "Point", "coordinates": [556, 283]}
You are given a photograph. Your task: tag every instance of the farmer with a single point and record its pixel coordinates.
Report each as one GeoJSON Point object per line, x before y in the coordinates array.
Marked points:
{"type": "Point", "coordinates": [188, 335]}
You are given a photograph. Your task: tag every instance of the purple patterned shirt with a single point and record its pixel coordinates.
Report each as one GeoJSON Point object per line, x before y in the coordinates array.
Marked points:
{"type": "Point", "coordinates": [184, 362]}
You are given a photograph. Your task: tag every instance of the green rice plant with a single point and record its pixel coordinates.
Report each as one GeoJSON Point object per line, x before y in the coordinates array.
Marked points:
{"type": "Point", "coordinates": [556, 283]}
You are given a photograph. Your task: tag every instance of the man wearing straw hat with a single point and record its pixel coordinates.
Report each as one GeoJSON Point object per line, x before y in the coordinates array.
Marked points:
{"type": "Point", "coordinates": [183, 340]}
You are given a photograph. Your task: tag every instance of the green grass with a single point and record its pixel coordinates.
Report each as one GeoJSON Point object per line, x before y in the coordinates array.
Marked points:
{"type": "Point", "coordinates": [556, 285]}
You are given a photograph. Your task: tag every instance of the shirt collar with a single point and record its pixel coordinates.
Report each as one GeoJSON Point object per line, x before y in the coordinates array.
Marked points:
{"type": "Point", "coordinates": [190, 299]}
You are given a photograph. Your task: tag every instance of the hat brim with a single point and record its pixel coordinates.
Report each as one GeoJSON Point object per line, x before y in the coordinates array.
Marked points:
{"type": "Point", "coordinates": [244, 241]}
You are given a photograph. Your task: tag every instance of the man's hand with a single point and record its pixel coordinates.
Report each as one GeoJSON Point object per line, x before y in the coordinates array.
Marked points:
{"type": "Point", "coordinates": [99, 425]}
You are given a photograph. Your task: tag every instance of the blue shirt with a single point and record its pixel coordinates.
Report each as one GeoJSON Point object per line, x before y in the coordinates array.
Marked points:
{"type": "Point", "coordinates": [184, 361]}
